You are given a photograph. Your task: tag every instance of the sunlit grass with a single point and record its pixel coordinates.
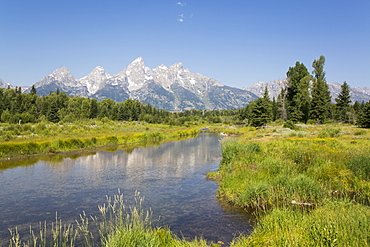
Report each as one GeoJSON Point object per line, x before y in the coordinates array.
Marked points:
{"type": "Point", "coordinates": [119, 224]}
{"type": "Point", "coordinates": [305, 189]}
{"type": "Point", "coordinates": [44, 138]}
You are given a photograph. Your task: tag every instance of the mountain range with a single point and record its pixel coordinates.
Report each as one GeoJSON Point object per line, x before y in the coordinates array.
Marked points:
{"type": "Point", "coordinates": [274, 87]}
{"type": "Point", "coordinates": [171, 88]}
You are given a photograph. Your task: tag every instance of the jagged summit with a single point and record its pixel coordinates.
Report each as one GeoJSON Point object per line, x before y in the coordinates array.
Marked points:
{"type": "Point", "coordinates": [95, 80]}
{"type": "Point", "coordinates": [170, 88]}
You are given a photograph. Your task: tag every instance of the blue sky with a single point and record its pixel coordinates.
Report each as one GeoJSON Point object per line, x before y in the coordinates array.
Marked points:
{"type": "Point", "coordinates": [236, 42]}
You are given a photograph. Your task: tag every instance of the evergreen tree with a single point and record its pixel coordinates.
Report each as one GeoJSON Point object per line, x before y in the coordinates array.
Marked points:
{"type": "Point", "coordinates": [343, 103]}
{"type": "Point", "coordinates": [364, 117]}
{"type": "Point", "coordinates": [33, 90]}
{"type": "Point", "coordinates": [260, 110]}
{"type": "Point", "coordinates": [94, 108]}
{"type": "Point", "coordinates": [321, 99]}
{"type": "Point", "coordinates": [275, 109]}
{"type": "Point", "coordinates": [52, 113]}
{"type": "Point", "coordinates": [297, 92]}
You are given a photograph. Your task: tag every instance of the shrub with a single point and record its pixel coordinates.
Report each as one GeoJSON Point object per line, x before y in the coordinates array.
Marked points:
{"type": "Point", "coordinates": [111, 140]}
{"type": "Point", "coordinates": [289, 124]}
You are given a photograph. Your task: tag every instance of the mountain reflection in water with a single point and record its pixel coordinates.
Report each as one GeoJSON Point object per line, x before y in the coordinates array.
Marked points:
{"type": "Point", "coordinates": [171, 177]}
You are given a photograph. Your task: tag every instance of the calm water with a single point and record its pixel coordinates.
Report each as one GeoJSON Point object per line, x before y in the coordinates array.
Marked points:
{"type": "Point", "coordinates": [171, 177]}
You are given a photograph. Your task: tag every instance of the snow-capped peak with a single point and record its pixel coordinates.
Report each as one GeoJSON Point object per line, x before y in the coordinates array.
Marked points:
{"type": "Point", "coordinates": [95, 80]}
{"type": "Point", "coordinates": [137, 61]}
{"type": "Point", "coordinates": [161, 67]}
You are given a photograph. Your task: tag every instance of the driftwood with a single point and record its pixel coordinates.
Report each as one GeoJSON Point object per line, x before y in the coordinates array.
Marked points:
{"type": "Point", "coordinates": [302, 203]}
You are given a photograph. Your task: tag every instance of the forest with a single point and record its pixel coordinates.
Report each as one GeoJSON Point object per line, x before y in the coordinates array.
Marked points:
{"type": "Point", "coordinates": [306, 99]}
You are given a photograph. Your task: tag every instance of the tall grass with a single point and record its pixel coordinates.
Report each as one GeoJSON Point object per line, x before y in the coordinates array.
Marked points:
{"type": "Point", "coordinates": [312, 190]}
{"type": "Point", "coordinates": [119, 224]}
{"type": "Point", "coordinates": [73, 137]}
{"type": "Point", "coordinates": [338, 223]}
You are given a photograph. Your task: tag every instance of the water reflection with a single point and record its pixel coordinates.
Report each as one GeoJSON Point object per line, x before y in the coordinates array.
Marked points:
{"type": "Point", "coordinates": [171, 177]}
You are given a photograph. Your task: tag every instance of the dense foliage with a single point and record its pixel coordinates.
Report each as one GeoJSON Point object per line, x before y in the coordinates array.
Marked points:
{"type": "Point", "coordinates": [304, 99]}
{"type": "Point", "coordinates": [19, 108]}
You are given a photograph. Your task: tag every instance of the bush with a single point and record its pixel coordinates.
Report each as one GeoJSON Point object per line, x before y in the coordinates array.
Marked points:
{"type": "Point", "coordinates": [289, 124]}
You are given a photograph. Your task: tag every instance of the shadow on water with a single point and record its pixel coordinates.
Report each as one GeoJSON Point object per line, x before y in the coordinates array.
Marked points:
{"type": "Point", "coordinates": [170, 176]}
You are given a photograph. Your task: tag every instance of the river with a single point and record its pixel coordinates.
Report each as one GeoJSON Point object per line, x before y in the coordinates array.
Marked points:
{"type": "Point", "coordinates": [170, 177]}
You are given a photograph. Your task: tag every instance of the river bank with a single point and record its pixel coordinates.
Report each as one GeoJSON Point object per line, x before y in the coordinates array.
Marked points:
{"type": "Point", "coordinates": [51, 139]}
{"type": "Point", "coordinates": [307, 187]}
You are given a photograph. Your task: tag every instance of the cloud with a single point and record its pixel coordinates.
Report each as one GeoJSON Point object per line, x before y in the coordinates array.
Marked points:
{"type": "Point", "coordinates": [182, 4]}
{"type": "Point", "coordinates": [181, 18]}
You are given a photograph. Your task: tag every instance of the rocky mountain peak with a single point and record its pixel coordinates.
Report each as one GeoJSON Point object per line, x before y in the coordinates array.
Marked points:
{"type": "Point", "coordinates": [63, 74]}
{"type": "Point", "coordinates": [95, 79]}
{"type": "Point", "coordinates": [98, 73]}
{"type": "Point", "coordinates": [161, 68]}
{"type": "Point", "coordinates": [138, 62]}
{"type": "Point", "coordinates": [177, 66]}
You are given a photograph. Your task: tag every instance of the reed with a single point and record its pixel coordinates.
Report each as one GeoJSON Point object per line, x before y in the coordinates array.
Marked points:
{"type": "Point", "coordinates": [119, 224]}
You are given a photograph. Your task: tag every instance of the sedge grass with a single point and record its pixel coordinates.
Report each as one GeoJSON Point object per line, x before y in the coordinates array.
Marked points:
{"type": "Point", "coordinates": [307, 190]}
{"type": "Point", "coordinates": [52, 138]}
{"type": "Point", "coordinates": [119, 224]}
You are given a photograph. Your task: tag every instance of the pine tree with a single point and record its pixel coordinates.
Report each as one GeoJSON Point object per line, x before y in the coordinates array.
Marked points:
{"type": "Point", "coordinates": [297, 93]}
{"type": "Point", "coordinates": [364, 117]}
{"type": "Point", "coordinates": [33, 90]}
{"type": "Point", "coordinates": [343, 103]}
{"type": "Point", "coordinates": [260, 110]}
{"type": "Point", "coordinates": [275, 109]}
{"type": "Point", "coordinates": [52, 113]}
{"type": "Point", "coordinates": [321, 99]}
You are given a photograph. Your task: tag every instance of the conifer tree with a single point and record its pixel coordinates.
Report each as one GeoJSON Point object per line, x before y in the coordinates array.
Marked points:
{"type": "Point", "coordinates": [364, 117]}
{"type": "Point", "coordinates": [321, 99]}
{"type": "Point", "coordinates": [275, 109]}
{"type": "Point", "coordinates": [33, 90]}
{"type": "Point", "coordinates": [343, 101]}
{"type": "Point", "coordinates": [260, 110]}
{"type": "Point", "coordinates": [298, 96]}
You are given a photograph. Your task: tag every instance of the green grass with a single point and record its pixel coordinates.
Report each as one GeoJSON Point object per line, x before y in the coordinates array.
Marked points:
{"type": "Point", "coordinates": [46, 137]}
{"type": "Point", "coordinates": [119, 224]}
{"type": "Point", "coordinates": [310, 190]}
{"type": "Point", "coordinates": [336, 223]}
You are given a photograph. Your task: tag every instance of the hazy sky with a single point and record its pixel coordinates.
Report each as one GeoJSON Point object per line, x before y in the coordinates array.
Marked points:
{"type": "Point", "coordinates": [236, 42]}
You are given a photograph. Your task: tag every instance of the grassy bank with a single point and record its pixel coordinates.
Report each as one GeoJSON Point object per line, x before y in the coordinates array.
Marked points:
{"type": "Point", "coordinates": [307, 187]}
{"type": "Point", "coordinates": [46, 137]}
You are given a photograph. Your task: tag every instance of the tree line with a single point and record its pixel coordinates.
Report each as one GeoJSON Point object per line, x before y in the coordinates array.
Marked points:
{"type": "Point", "coordinates": [18, 107]}
{"type": "Point", "coordinates": [306, 98]}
